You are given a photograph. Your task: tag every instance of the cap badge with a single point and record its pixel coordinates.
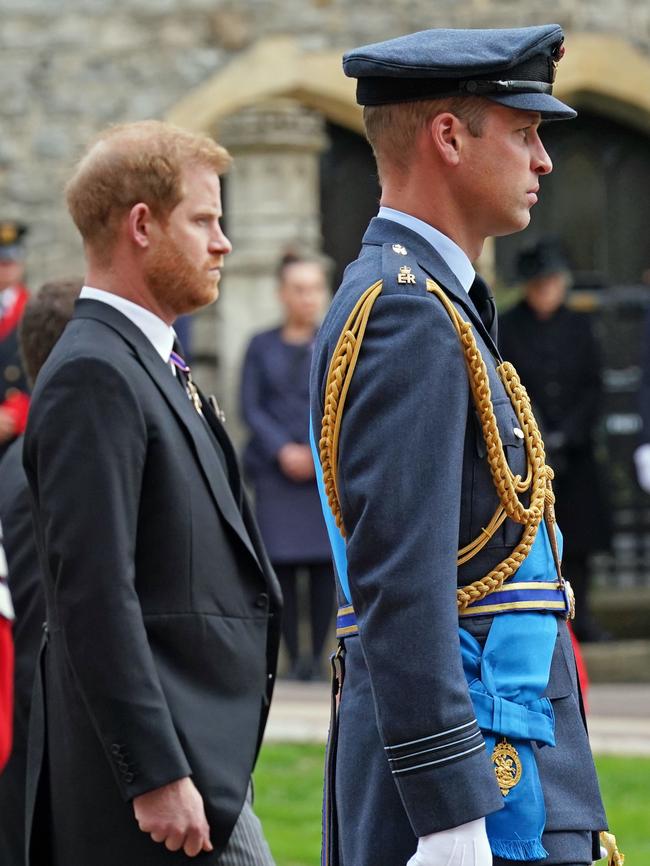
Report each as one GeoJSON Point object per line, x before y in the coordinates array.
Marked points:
{"type": "Point", "coordinates": [399, 249]}
{"type": "Point", "coordinates": [406, 276]}
{"type": "Point", "coordinates": [556, 56]}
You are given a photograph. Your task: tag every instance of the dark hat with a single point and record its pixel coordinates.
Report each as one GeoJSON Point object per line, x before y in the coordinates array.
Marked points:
{"type": "Point", "coordinates": [543, 258]}
{"type": "Point", "coordinates": [513, 67]}
{"type": "Point", "coordinates": [11, 240]}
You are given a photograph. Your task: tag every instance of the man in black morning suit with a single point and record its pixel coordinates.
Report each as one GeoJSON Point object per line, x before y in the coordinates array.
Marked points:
{"type": "Point", "coordinates": [162, 610]}
{"type": "Point", "coordinates": [458, 739]}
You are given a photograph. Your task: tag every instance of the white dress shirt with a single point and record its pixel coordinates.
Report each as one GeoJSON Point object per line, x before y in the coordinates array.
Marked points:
{"type": "Point", "coordinates": [455, 258]}
{"type": "Point", "coordinates": [159, 333]}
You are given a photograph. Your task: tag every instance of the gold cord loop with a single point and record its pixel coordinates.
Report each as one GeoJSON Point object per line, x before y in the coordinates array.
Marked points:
{"type": "Point", "coordinates": [509, 486]}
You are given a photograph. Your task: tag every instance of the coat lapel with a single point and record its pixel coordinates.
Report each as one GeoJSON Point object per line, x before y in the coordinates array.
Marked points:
{"type": "Point", "coordinates": [245, 510]}
{"type": "Point", "coordinates": [199, 434]}
{"type": "Point", "coordinates": [383, 231]}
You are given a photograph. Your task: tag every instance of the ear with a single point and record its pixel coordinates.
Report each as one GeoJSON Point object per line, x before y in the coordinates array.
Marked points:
{"type": "Point", "coordinates": [445, 131]}
{"type": "Point", "coordinates": [139, 224]}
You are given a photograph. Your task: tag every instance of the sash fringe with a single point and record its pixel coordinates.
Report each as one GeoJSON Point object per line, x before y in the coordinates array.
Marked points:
{"type": "Point", "coordinates": [518, 849]}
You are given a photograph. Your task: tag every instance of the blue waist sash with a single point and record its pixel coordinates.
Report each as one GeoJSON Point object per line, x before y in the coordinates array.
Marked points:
{"type": "Point", "coordinates": [506, 680]}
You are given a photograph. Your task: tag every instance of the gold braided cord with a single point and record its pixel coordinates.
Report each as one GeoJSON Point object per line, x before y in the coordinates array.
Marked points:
{"type": "Point", "coordinates": [508, 485]}
{"type": "Point", "coordinates": [344, 360]}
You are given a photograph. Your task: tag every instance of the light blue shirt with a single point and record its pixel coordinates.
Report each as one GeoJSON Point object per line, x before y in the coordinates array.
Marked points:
{"type": "Point", "coordinates": [455, 258]}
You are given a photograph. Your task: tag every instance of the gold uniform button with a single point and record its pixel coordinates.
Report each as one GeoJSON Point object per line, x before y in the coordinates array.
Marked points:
{"type": "Point", "coordinates": [11, 392]}
{"type": "Point", "coordinates": [12, 373]}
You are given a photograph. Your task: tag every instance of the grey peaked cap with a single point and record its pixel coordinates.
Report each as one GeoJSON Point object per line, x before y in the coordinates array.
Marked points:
{"type": "Point", "coordinates": [514, 67]}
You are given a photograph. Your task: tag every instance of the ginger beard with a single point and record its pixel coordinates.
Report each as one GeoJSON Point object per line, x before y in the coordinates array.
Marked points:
{"type": "Point", "coordinates": [176, 282]}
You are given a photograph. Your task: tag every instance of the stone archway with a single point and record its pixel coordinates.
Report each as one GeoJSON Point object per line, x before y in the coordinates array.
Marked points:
{"type": "Point", "coordinates": [599, 71]}
{"type": "Point", "coordinates": [269, 104]}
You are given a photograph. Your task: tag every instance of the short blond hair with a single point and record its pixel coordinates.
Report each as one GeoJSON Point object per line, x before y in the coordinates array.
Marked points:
{"type": "Point", "coordinates": [131, 163]}
{"type": "Point", "coordinates": [392, 129]}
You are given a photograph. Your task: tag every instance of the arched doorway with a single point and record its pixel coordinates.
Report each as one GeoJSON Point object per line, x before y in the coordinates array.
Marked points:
{"type": "Point", "coordinates": [349, 195]}
{"type": "Point", "coordinates": [591, 201]}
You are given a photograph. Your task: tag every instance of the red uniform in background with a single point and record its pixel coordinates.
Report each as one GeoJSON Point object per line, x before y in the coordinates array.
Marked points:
{"type": "Point", "coordinates": [14, 398]}
{"type": "Point", "coordinates": [6, 662]}
{"type": "Point", "coordinates": [14, 390]}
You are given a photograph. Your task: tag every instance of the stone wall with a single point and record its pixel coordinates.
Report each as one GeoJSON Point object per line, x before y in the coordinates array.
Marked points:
{"type": "Point", "coordinates": [70, 67]}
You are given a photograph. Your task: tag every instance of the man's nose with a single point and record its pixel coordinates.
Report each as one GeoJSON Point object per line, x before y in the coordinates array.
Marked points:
{"type": "Point", "coordinates": [219, 243]}
{"type": "Point", "coordinates": [542, 163]}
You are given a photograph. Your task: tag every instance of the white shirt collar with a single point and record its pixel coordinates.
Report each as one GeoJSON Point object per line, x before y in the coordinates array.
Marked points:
{"type": "Point", "coordinates": [159, 333]}
{"type": "Point", "coordinates": [455, 258]}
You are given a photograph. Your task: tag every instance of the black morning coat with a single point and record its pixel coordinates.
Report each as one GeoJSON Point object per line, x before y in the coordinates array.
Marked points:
{"type": "Point", "coordinates": [26, 589]}
{"type": "Point", "coordinates": [414, 487]}
{"type": "Point", "coordinates": [162, 608]}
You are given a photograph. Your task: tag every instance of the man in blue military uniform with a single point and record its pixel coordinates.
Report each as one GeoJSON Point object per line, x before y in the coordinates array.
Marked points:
{"type": "Point", "coordinates": [450, 746]}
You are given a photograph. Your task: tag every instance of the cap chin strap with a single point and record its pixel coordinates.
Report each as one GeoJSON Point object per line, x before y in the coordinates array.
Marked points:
{"type": "Point", "coordinates": [479, 88]}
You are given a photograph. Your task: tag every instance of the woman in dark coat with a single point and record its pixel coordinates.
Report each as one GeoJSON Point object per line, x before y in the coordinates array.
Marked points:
{"type": "Point", "coordinates": [556, 355]}
{"type": "Point", "coordinates": [278, 461]}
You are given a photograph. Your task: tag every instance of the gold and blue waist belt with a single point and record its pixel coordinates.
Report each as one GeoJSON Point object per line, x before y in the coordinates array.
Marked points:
{"type": "Point", "coordinates": [522, 595]}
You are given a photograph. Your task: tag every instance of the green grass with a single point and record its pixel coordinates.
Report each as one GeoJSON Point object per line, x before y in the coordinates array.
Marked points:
{"type": "Point", "coordinates": [289, 783]}
{"type": "Point", "coordinates": [625, 785]}
{"type": "Point", "coordinates": [288, 796]}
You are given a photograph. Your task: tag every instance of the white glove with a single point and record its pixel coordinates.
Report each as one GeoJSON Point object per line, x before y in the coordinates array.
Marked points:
{"type": "Point", "coordinates": [642, 463]}
{"type": "Point", "coordinates": [466, 845]}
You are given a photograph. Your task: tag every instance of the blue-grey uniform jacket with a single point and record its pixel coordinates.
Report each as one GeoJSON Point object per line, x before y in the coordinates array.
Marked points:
{"type": "Point", "coordinates": [414, 487]}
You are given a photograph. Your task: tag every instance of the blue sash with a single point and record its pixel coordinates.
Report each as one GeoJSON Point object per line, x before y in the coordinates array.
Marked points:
{"type": "Point", "coordinates": [506, 679]}
{"type": "Point", "coordinates": [337, 542]}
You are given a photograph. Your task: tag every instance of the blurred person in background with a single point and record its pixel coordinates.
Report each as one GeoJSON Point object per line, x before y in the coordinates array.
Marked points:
{"type": "Point", "coordinates": [642, 453]}
{"type": "Point", "coordinates": [14, 399]}
{"type": "Point", "coordinates": [278, 461]}
{"type": "Point", "coordinates": [556, 355]}
{"type": "Point", "coordinates": [43, 321]}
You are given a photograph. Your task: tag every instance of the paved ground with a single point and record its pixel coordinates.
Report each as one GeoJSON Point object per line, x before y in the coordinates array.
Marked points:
{"type": "Point", "coordinates": [619, 716]}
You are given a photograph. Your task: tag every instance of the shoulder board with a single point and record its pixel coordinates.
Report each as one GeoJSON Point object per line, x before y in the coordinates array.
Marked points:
{"type": "Point", "coordinates": [401, 273]}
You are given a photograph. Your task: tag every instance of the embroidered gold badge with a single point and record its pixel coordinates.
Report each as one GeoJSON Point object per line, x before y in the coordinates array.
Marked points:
{"type": "Point", "coordinates": [406, 276]}
{"type": "Point", "coordinates": [399, 249]}
{"type": "Point", "coordinates": [507, 766]}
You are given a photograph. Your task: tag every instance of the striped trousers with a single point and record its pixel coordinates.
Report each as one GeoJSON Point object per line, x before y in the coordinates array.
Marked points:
{"type": "Point", "coordinates": [247, 845]}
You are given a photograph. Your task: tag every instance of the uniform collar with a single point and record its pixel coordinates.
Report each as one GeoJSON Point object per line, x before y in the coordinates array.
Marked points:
{"type": "Point", "coordinates": [455, 258]}
{"type": "Point", "coordinates": [159, 333]}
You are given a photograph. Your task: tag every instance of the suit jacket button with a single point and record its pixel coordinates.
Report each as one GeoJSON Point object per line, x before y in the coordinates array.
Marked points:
{"type": "Point", "coordinates": [262, 600]}
{"type": "Point", "coordinates": [129, 777]}
{"type": "Point", "coordinates": [115, 749]}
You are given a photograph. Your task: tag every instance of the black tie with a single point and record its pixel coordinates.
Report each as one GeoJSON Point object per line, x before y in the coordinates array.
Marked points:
{"type": "Point", "coordinates": [483, 299]}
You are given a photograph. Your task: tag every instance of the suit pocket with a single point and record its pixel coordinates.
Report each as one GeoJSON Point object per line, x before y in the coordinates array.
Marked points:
{"type": "Point", "coordinates": [562, 680]}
